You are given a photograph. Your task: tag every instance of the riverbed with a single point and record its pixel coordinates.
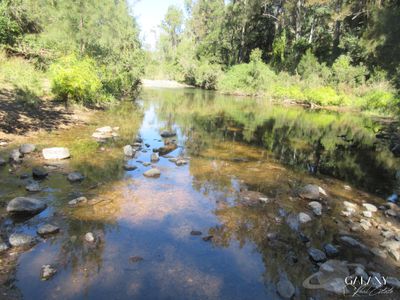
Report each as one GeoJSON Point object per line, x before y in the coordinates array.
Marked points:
{"type": "Point", "coordinates": [223, 224]}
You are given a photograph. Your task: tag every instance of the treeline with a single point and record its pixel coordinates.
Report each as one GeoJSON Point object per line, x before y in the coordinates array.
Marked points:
{"type": "Point", "coordinates": [342, 52]}
{"type": "Point", "coordinates": [89, 50]}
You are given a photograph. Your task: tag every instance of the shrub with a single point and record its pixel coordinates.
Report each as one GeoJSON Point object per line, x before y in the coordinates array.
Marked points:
{"type": "Point", "coordinates": [312, 71]}
{"type": "Point", "coordinates": [378, 100]}
{"type": "Point", "coordinates": [324, 96]}
{"type": "Point", "coordinates": [251, 78]}
{"type": "Point", "coordinates": [207, 74]}
{"type": "Point", "coordinates": [76, 79]}
{"type": "Point", "coordinates": [291, 92]}
{"type": "Point", "coordinates": [345, 73]}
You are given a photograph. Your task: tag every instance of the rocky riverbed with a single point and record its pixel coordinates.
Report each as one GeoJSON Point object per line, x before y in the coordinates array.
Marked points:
{"type": "Point", "coordinates": [162, 209]}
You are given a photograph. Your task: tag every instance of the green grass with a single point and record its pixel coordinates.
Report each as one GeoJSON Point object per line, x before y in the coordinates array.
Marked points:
{"type": "Point", "coordinates": [19, 74]}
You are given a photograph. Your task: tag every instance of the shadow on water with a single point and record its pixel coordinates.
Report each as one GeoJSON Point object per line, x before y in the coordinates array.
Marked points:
{"type": "Point", "coordinates": [238, 150]}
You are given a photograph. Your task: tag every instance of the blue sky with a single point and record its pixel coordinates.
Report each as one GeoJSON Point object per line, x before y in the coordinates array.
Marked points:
{"type": "Point", "coordinates": [149, 14]}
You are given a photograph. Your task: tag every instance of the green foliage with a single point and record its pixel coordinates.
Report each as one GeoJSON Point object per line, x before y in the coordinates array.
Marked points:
{"type": "Point", "coordinates": [76, 80]}
{"type": "Point", "coordinates": [345, 73]}
{"type": "Point", "coordinates": [324, 95]}
{"type": "Point", "coordinates": [9, 28]}
{"type": "Point", "coordinates": [207, 74]}
{"type": "Point", "coordinates": [19, 74]}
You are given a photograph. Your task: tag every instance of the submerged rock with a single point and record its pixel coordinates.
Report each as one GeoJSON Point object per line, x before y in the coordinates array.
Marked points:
{"type": "Point", "coordinates": [154, 172]}
{"type": "Point", "coordinates": [167, 148]}
{"type": "Point", "coordinates": [47, 272]}
{"type": "Point", "coordinates": [195, 232]}
{"type": "Point", "coordinates": [77, 201]}
{"type": "Point", "coordinates": [135, 259]}
{"type": "Point", "coordinates": [27, 148]}
{"type": "Point", "coordinates": [21, 240]}
{"type": "Point", "coordinates": [47, 229]}
{"type": "Point", "coordinates": [56, 153]}
{"type": "Point", "coordinates": [33, 187]}
{"type": "Point", "coordinates": [2, 162]}
{"type": "Point", "coordinates": [330, 250]}
{"type": "Point", "coordinates": [39, 173]}
{"type": "Point", "coordinates": [129, 167]}
{"type": "Point", "coordinates": [25, 205]}
{"type": "Point", "coordinates": [75, 177]}
{"type": "Point", "coordinates": [312, 192]}
{"type": "Point", "coordinates": [349, 241]}
{"type": "Point", "coordinates": [181, 162]}
{"type": "Point", "coordinates": [285, 288]}
{"type": "Point", "coordinates": [154, 157]}
{"type": "Point", "coordinates": [316, 255]}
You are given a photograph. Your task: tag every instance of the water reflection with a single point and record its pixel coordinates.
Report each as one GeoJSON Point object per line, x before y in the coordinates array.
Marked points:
{"type": "Point", "coordinates": [340, 145]}
{"type": "Point", "coordinates": [239, 151]}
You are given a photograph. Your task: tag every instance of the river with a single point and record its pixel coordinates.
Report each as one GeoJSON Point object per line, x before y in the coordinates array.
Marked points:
{"type": "Point", "coordinates": [218, 227]}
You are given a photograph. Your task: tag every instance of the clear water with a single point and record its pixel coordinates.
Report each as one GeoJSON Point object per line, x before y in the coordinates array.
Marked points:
{"type": "Point", "coordinates": [235, 147]}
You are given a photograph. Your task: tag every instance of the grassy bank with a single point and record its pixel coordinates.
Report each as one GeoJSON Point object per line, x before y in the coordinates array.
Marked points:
{"type": "Point", "coordinates": [342, 84]}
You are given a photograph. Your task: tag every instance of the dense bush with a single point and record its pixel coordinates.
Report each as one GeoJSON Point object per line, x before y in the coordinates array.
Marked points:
{"type": "Point", "coordinates": [206, 75]}
{"type": "Point", "coordinates": [251, 78]}
{"type": "Point", "coordinates": [76, 80]}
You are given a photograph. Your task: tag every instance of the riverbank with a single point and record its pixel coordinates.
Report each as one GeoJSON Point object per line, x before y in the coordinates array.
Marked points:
{"type": "Point", "coordinates": [20, 120]}
{"type": "Point", "coordinates": [148, 83]}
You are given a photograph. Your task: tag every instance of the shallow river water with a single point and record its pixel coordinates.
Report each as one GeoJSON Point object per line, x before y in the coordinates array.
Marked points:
{"type": "Point", "coordinates": [247, 161]}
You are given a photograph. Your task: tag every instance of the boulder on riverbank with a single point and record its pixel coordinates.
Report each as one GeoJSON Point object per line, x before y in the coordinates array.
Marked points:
{"type": "Point", "coordinates": [75, 177]}
{"type": "Point", "coordinates": [27, 148]}
{"type": "Point", "coordinates": [105, 133]}
{"type": "Point", "coordinates": [25, 205]}
{"type": "Point", "coordinates": [311, 192]}
{"type": "Point", "coordinates": [56, 153]}
{"type": "Point", "coordinates": [167, 134]}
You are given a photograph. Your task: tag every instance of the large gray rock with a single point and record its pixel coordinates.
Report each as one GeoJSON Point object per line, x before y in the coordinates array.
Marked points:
{"type": "Point", "coordinates": [21, 240]}
{"type": "Point", "coordinates": [154, 172]}
{"type": "Point", "coordinates": [15, 156]}
{"type": "Point", "coordinates": [129, 151]}
{"type": "Point", "coordinates": [312, 192]}
{"type": "Point", "coordinates": [25, 205]}
{"type": "Point", "coordinates": [39, 173]}
{"type": "Point", "coordinates": [75, 177]}
{"type": "Point", "coordinates": [27, 148]}
{"type": "Point", "coordinates": [56, 153]}
{"type": "Point", "coordinates": [47, 229]}
{"type": "Point", "coordinates": [316, 207]}
{"type": "Point", "coordinates": [304, 218]}
{"type": "Point", "coordinates": [166, 134]}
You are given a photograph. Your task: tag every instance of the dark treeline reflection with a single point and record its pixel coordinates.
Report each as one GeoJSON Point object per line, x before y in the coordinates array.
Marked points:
{"type": "Point", "coordinates": [342, 145]}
